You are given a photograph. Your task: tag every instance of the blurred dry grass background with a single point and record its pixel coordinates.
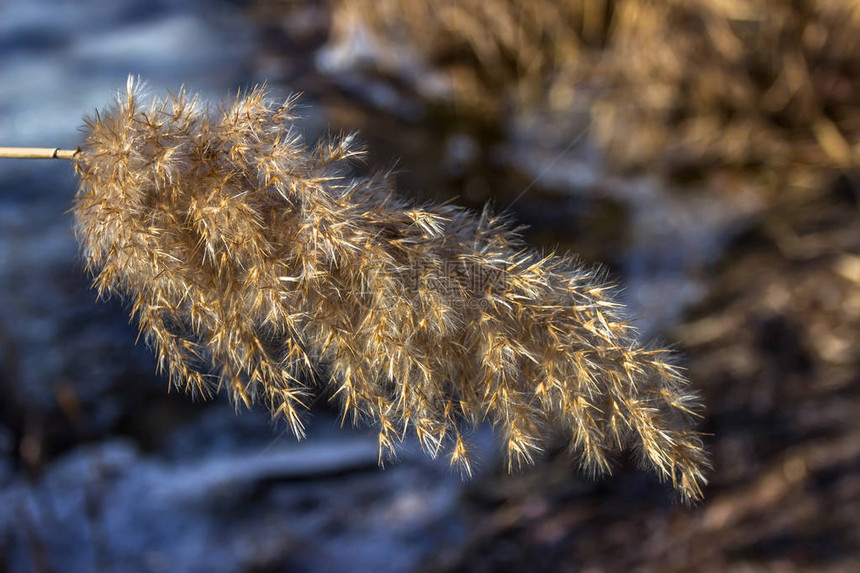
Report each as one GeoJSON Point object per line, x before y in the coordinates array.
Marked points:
{"type": "Point", "coordinates": [763, 91]}
{"type": "Point", "coordinates": [760, 93]}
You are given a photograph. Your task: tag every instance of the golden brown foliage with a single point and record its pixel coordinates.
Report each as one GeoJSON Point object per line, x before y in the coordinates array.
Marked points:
{"type": "Point", "coordinates": [490, 51]}
{"type": "Point", "coordinates": [768, 88]}
{"type": "Point", "coordinates": [764, 89]}
{"type": "Point", "coordinates": [249, 261]}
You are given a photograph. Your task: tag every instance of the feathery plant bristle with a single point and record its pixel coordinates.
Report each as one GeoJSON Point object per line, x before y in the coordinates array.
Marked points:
{"type": "Point", "coordinates": [249, 261]}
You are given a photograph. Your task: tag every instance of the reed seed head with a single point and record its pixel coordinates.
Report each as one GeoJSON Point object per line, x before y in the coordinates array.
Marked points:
{"type": "Point", "coordinates": [253, 265]}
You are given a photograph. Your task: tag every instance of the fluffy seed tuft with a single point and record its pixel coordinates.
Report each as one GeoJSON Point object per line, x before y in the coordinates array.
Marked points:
{"type": "Point", "coordinates": [249, 262]}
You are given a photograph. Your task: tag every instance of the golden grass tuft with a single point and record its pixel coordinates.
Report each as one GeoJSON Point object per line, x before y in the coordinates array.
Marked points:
{"type": "Point", "coordinates": [252, 265]}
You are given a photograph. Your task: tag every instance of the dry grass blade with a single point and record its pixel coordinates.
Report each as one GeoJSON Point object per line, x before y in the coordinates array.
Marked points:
{"type": "Point", "coordinates": [249, 261]}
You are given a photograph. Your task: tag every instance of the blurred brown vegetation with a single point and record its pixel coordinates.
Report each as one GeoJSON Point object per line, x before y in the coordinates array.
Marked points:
{"type": "Point", "coordinates": [763, 91]}
{"type": "Point", "coordinates": [757, 93]}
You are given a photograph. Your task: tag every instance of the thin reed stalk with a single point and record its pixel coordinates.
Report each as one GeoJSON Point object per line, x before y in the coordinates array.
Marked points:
{"type": "Point", "coordinates": [37, 153]}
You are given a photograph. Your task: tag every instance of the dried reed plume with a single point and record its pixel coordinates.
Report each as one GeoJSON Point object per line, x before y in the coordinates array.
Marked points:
{"type": "Point", "coordinates": [249, 262]}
